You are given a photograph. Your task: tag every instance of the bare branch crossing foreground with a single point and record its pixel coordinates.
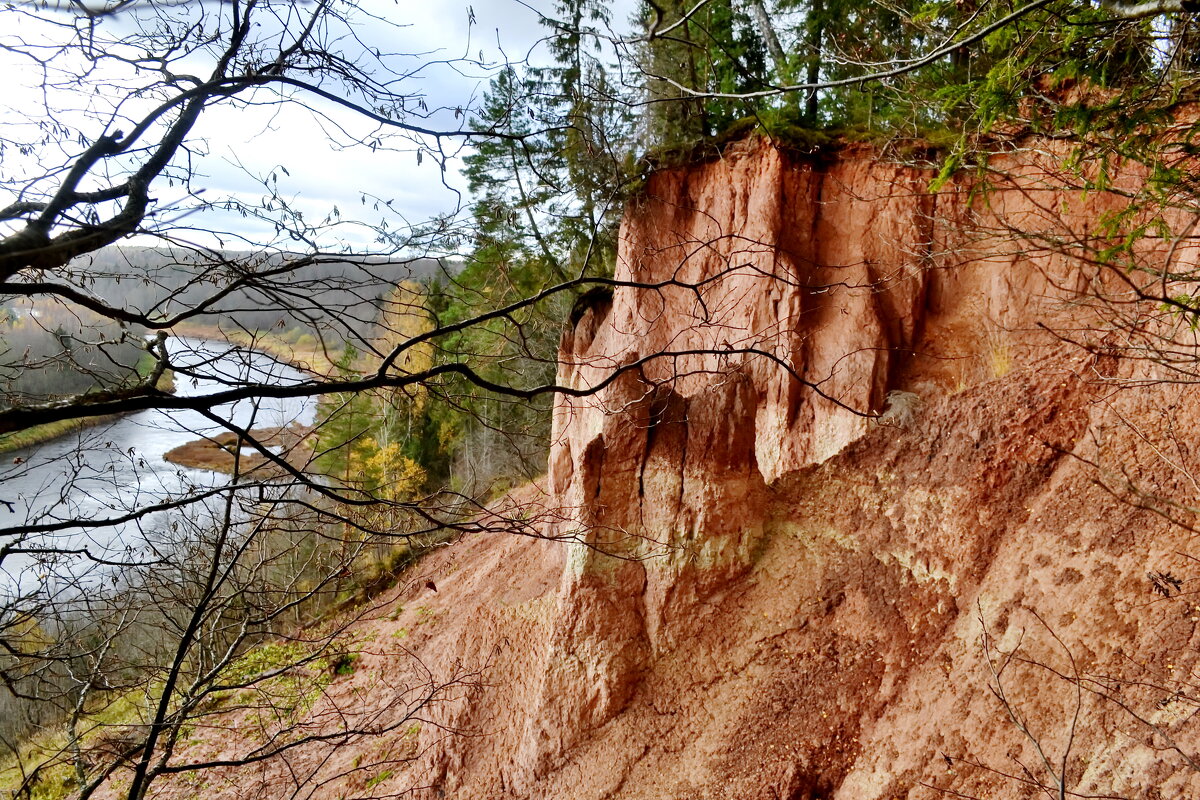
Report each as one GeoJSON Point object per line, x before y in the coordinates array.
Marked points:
{"type": "Point", "coordinates": [361, 385]}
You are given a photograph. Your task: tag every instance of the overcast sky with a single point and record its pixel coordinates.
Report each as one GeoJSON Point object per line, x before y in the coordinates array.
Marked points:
{"type": "Point", "coordinates": [242, 144]}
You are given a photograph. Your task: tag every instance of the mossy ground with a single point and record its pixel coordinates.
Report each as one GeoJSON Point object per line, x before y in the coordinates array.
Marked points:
{"type": "Point", "coordinates": [927, 147]}
{"type": "Point", "coordinates": [279, 680]}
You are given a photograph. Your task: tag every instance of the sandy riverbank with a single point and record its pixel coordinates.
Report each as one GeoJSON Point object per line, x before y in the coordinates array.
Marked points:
{"type": "Point", "coordinates": [225, 453]}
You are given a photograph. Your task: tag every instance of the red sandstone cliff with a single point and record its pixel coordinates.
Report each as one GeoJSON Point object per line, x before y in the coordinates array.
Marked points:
{"type": "Point", "coordinates": [773, 595]}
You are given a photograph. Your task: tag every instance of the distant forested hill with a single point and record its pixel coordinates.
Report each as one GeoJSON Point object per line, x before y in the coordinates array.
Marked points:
{"type": "Point", "coordinates": [162, 283]}
{"type": "Point", "coordinates": [56, 348]}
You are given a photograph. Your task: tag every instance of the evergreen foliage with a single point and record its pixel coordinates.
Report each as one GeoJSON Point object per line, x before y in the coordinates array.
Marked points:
{"type": "Point", "coordinates": [578, 133]}
{"type": "Point", "coordinates": [560, 148]}
{"type": "Point", "coordinates": [547, 202]}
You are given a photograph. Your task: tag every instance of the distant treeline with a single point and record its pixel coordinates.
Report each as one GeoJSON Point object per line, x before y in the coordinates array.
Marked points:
{"type": "Point", "coordinates": [278, 292]}
{"type": "Point", "coordinates": [56, 348]}
{"type": "Point", "coordinates": [49, 351]}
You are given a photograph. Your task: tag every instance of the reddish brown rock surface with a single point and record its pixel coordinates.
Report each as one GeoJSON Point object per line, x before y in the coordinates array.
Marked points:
{"type": "Point", "coordinates": [773, 596]}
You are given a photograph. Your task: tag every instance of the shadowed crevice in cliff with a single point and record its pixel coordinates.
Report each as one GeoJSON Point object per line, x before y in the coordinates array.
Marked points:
{"type": "Point", "coordinates": [844, 272]}
{"type": "Point", "coordinates": [661, 529]}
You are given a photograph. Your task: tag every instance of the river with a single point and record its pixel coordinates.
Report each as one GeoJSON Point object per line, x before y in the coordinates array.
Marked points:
{"type": "Point", "coordinates": [104, 472]}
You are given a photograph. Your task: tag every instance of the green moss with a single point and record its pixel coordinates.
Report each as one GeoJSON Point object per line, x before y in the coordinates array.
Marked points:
{"type": "Point", "coordinates": [54, 776]}
{"type": "Point", "coordinates": [304, 671]}
{"type": "Point", "coordinates": [344, 663]}
{"type": "Point", "coordinates": [378, 779]}
{"type": "Point", "coordinates": [930, 146]}
{"type": "Point", "coordinates": [680, 154]}
{"type": "Point", "coordinates": [56, 782]}
{"type": "Point", "coordinates": [264, 658]}
{"type": "Point", "coordinates": [375, 574]}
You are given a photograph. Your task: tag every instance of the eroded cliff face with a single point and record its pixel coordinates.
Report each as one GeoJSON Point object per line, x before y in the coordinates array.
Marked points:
{"type": "Point", "coordinates": [848, 447]}
{"type": "Point", "coordinates": [856, 526]}
{"type": "Point", "coordinates": [777, 309]}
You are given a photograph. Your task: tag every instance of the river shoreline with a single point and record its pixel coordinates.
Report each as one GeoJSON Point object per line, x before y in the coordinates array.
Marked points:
{"type": "Point", "coordinates": [311, 360]}
{"type": "Point", "coordinates": [228, 454]}
{"type": "Point", "coordinates": [40, 434]}
{"type": "Point", "coordinates": [97, 478]}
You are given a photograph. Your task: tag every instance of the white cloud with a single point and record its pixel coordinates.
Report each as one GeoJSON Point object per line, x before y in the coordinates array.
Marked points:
{"type": "Point", "coordinates": [240, 145]}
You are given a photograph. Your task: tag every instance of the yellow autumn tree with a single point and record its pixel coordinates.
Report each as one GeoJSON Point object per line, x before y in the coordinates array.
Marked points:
{"type": "Point", "coordinates": [386, 473]}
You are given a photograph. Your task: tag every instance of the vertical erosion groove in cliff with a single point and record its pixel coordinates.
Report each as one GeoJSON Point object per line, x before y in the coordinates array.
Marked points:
{"type": "Point", "coordinates": [783, 305]}
{"type": "Point", "coordinates": [792, 298]}
{"type": "Point", "coordinates": [773, 595]}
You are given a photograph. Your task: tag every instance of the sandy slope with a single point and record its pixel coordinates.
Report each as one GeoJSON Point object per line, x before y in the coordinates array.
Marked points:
{"type": "Point", "coordinates": [775, 597]}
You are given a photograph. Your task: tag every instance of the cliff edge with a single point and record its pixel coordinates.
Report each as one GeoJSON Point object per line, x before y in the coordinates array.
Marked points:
{"type": "Point", "coordinates": [854, 522]}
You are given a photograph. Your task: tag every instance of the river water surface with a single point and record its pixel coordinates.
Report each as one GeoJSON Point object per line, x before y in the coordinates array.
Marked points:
{"type": "Point", "coordinates": [105, 472]}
